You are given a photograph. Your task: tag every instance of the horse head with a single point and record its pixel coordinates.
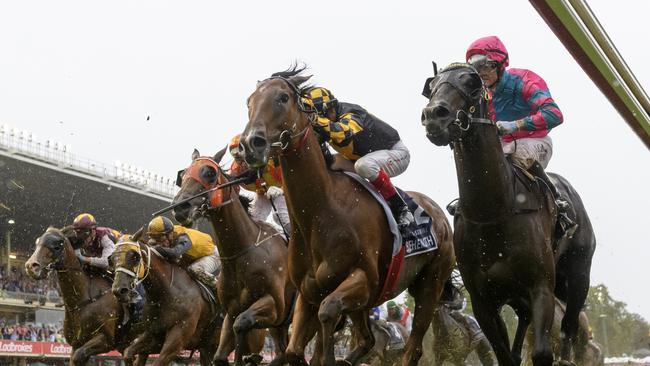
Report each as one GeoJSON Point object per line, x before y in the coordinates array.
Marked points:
{"type": "Point", "coordinates": [277, 116]}
{"type": "Point", "coordinates": [203, 174]}
{"type": "Point", "coordinates": [457, 98]}
{"type": "Point", "coordinates": [53, 250]}
{"type": "Point", "coordinates": [130, 269]}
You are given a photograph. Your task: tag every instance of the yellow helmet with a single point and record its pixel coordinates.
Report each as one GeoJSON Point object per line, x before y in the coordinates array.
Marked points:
{"type": "Point", "coordinates": [323, 99]}
{"type": "Point", "coordinates": [160, 225]}
{"type": "Point", "coordinates": [84, 221]}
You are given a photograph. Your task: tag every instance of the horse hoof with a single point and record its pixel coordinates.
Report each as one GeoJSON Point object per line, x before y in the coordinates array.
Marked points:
{"type": "Point", "coordinates": [252, 360]}
{"type": "Point", "coordinates": [343, 363]}
{"type": "Point", "coordinates": [220, 362]}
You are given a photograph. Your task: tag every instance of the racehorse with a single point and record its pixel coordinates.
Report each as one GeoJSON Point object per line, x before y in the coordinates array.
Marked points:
{"type": "Point", "coordinates": [92, 314]}
{"type": "Point", "coordinates": [504, 231]}
{"type": "Point", "coordinates": [340, 247]}
{"type": "Point", "coordinates": [254, 284]}
{"type": "Point", "coordinates": [587, 352]}
{"type": "Point", "coordinates": [177, 317]}
{"type": "Point", "coordinates": [455, 338]}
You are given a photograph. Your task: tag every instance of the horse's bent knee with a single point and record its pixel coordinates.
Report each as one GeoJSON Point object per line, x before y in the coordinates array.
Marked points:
{"type": "Point", "coordinates": [295, 359]}
{"type": "Point", "coordinates": [329, 312]}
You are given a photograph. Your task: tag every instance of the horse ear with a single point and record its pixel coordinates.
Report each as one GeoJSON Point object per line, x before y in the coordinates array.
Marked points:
{"type": "Point", "coordinates": [138, 234]}
{"type": "Point", "coordinates": [298, 80]}
{"type": "Point", "coordinates": [195, 154]}
{"type": "Point", "coordinates": [426, 91]}
{"type": "Point", "coordinates": [219, 155]}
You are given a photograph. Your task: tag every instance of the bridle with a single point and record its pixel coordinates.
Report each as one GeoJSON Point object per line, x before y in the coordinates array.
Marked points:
{"type": "Point", "coordinates": [141, 271]}
{"type": "Point", "coordinates": [288, 135]}
{"type": "Point", "coordinates": [215, 201]}
{"type": "Point", "coordinates": [478, 99]}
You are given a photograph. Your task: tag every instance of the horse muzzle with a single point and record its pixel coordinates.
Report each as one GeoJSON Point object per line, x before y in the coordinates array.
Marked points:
{"type": "Point", "coordinates": [121, 292]}
{"type": "Point", "coordinates": [437, 120]}
{"type": "Point", "coordinates": [35, 270]}
{"type": "Point", "coordinates": [256, 149]}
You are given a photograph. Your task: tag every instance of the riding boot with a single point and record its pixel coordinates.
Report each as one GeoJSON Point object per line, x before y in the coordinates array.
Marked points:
{"type": "Point", "coordinates": [452, 207]}
{"type": "Point", "coordinates": [205, 278]}
{"type": "Point", "coordinates": [401, 211]}
{"type": "Point", "coordinates": [398, 206]}
{"type": "Point", "coordinates": [565, 225]}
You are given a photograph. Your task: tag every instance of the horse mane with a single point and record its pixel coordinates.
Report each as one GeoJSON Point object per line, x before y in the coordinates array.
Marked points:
{"type": "Point", "coordinates": [295, 70]}
{"type": "Point", "coordinates": [246, 202]}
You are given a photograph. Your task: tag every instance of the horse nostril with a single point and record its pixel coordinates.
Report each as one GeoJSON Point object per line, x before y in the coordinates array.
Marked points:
{"type": "Point", "coordinates": [440, 112]}
{"type": "Point", "coordinates": [123, 291]}
{"type": "Point", "coordinates": [258, 142]}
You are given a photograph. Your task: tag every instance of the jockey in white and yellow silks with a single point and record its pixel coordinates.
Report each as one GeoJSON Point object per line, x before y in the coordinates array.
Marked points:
{"type": "Point", "coordinates": [193, 248]}
{"type": "Point", "coordinates": [267, 188]}
{"type": "Point", "coordinates": [373, 145]}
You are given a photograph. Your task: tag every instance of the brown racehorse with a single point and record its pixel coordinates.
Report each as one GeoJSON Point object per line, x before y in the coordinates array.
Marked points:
{"type": "Point", "coordinates": [92, 314]}
{"type": "Point", "coordinates": [340, 247]}
{"type": "Point", "coordinates": [254, 285]}
{"type": "Point", "coordinates": [176, 315]}
{"type": "Point", "coordinates": [504, 235]}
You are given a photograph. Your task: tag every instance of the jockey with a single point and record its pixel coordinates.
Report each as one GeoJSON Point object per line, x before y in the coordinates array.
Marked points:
{"type": "Point", "coordinates": [525, 113]}
{"type": "Point", "coordinates": [374, 146]}
{"type": "Point", "coordinates": [97, 243]}
{"type": "Point", "coordinates": [193, 248]}
{"type": "Point", "coordinates": [267, 188]}
{"type": "Point", "coordinates": [398, 314]}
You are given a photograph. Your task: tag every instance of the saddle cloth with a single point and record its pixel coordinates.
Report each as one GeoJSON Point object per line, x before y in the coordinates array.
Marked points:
{"type": "Point", "coordinates": [418, 240]}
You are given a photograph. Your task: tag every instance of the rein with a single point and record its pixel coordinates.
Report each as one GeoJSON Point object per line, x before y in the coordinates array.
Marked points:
{"type": "Point", "coordinates": [257, 243]}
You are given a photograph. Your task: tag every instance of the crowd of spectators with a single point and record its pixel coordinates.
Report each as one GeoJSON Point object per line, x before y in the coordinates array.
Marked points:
{"type": "Point", "coordinates": [16, 280]}
{"type": "Point", "coordinates": [32, 332]}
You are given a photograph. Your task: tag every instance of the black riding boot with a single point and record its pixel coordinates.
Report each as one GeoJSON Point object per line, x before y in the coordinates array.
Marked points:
{"type": "Point", "coordinates": [401, 212]}
{"type": "Point", "coordinates": [565, 226]}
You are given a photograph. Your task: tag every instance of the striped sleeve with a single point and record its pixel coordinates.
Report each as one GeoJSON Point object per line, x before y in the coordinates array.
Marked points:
{"type": "Point", "coordinates": [545, 114]}
{"type": "Point", "coordinates": [339, 132]}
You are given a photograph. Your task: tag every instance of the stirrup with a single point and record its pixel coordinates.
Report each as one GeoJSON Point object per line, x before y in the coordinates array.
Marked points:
{"type": "Point", "coordinates": [562, 205]}
{"type": "Point", "coordinates": [565, 226]}
{"type": "Point", "coordinates": [452, 207]}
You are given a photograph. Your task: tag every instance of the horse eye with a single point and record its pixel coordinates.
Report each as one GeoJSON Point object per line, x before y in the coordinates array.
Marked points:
{"type": "Point", "coordinates": [284, 98]}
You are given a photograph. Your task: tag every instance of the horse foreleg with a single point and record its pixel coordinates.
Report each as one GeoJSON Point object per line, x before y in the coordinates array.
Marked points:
{"type": "Point", "coordinates": [280, 337]}
{"type": "Point", "coordinates": [351, 295]}
{"type": "Point", "coordinates": [305, 325]}
{"type": "Point", "coordinates": [522, 327]}
{"type": "Point", "coordinates": [174, 343]}
{"type": "Point", "coordinates": [96, 345]}
{"type": "Point", "coordinates": [494, 329]}
{"type": "Point", "coordinates": [261, 314]}
{"type": "Point", "coordinates": [226, 342]}
{"type": "Point", "coordinates": [543, 305]}
{"type": "Point", "coordinates": [144, 344]}
{"type": "Point", "coordinates": [578, 284]}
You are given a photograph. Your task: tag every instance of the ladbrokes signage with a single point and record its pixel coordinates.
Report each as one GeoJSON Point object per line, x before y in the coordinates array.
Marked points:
{"type": "Point", "coordinates": [19, 347]}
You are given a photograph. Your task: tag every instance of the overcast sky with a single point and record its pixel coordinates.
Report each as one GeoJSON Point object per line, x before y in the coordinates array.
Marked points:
{"type": "Point", "coordinates": [88, 73]}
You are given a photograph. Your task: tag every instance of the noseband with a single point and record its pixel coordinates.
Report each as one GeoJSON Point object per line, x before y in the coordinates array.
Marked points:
{"type": "Point", "coordinates": [142, 271]}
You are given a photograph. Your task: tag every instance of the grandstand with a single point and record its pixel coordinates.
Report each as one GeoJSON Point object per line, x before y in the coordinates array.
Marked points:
{"type": "Point", "coordinates": [41, 184]}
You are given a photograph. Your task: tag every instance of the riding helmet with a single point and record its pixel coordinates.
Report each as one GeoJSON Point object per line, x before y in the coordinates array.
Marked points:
{"type": "Point", "coordinates": [160, 225]}
{"type": "Point", "coordinates": [323, 99]}
{"type": "Point", "coordinates": [84, 221]}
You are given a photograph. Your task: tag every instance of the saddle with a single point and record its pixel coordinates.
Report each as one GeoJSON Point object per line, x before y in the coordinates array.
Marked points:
{"type": "Point", "coordinates": [530, 192]}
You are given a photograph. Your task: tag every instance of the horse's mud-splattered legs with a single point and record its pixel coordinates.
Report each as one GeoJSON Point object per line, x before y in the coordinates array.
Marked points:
{"type": "Point", "coordinates": [280, 337]}
{"type": "Point", "coordinates": [305, 325]}
{"type": "Point", "coordinates": [348, 297]}
{"type": "Point", "coordinates": [426, 292]}
{"type": "Point", "coordinates": [173, 344]}
{"type": "Point", "coordinates": [141, 359]}
{"type": "Point", "coordinates": [543, 308]}
{"type": "Point", "coordinates": [96, 345]}
{"type": "Point", "coordinates": [578, 282]}
{"type": "Point", "coordinates": [522, 326]}
{"type": "Point", "coordinates": [146, 343]}
{"type": "Point", "coordinates": [226, 342]}
{"type": "Point", "coordinates": [494, 329]}
{"type": "Point", "coordinates": [365, 341]}
{"type": "Point", "coordinates": [260, 314]}
{"type": "Point", "coordinates": [206, 355]}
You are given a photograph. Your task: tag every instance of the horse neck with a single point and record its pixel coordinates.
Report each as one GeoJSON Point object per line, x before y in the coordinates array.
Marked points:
{"type": "Point", "coordinates": [307, 182]}
{"type": "Point", "coordinates": [74, 283]}
{"type": "Point", "coordinates": [235, 229]}
{"type": "Point", "coordinates": [484, 175]}
{"type": "Point", "coordinates": [157, 279]}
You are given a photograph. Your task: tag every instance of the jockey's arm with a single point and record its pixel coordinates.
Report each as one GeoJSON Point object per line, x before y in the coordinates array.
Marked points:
{"type": "Point", "coordinates": [181, 245]}
{"type": "Point", "coordinates": [108, 247]}
{"type": "Point", "coordinates": [545, 113]}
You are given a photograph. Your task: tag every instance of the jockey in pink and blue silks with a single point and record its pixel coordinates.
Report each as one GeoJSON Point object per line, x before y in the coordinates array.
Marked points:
{"type": "Point", "coordinates": [525, 113]}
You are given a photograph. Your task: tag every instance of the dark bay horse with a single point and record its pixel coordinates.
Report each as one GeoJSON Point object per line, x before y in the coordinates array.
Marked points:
{"type": "Point", "coordinates": [92, 314]}
{"type": "Point", "coordinates": [340, 246]}
{"type": "Point", "coordinates": [504, 231]}
{"type": "Point", "coordinates": [254, 285]}
{"type": "Point", "coordinates": [177, 317]}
